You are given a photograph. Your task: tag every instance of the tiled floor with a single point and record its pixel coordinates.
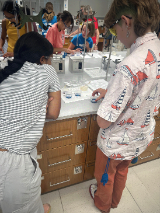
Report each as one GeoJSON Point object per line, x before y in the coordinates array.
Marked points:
{"type": "Point", "coordinates": [142, 193]}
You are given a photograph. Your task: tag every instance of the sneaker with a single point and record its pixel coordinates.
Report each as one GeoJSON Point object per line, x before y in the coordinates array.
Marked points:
{"type": "Point", "coordinates": [92, 190]}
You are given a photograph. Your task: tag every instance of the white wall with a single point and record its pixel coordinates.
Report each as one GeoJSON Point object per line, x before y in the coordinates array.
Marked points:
{"type": "Point", "coordinates": [100, 6]}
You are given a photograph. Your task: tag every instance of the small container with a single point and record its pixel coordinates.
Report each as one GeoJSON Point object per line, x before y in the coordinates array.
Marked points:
{"type": "Point", "coordinates": [68, 94]}
{"type": "Point", "coordinates": [93, 99]}
{"type": "Point", "coordinates": [78, 93]}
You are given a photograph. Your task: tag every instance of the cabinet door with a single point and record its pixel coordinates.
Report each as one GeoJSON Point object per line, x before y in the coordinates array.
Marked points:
{"type": "Point", "coordinates": [61, 178]}
{"type": "Point", "coordinates": [62, 157]}
{"type": "Point", "coordinates": [94, 128]}
{"type": "Point", "coordinates": [89, 171]}
{"type": "Point", "coordinates": [82, 128]}
{"type": "Point", "coordinates": [91, 151]}
{"type": "Point", "coordinates": [151, 153]}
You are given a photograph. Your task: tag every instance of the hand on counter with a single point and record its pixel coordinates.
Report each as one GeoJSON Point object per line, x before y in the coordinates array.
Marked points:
{"type": "Point", "coordinates": [101, 92]}
{"type": "Point", "coordinates": [8, 54]}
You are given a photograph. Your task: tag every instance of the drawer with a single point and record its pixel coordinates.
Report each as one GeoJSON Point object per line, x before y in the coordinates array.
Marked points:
{"type": "Point", "coordinates": [57, 134]}
{"type": "Point", "coordinates": [62, 157]}
{"type": "Point", "coordinates": [151, 153]}
{"type": "Point", "coordinates": [61, 178]}
{"type": "Point", "coordinates": [94, 128]}
{"type": "Point", "coordinates": [89, 171]}
{"type": "Point", "coordinates": [91, 151]}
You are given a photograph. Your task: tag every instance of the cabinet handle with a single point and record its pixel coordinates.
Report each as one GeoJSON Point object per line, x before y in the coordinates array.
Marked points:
{"type": "Point", "coordinates": [64, 161]}
{"type": "Point", "coordinates": [60, 182]}
{"type": "Point", "coordinates": [59, 137]}
{"type": "Point", "coordinates": [147, 156]}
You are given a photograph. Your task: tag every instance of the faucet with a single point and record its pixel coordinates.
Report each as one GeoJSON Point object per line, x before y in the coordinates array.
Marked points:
{"type": "Point", "coordinates": [104, 62]}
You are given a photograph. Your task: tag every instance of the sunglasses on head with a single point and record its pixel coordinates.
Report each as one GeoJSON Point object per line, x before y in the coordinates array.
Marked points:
{"type": "Point", "coordinates": [113, 31]}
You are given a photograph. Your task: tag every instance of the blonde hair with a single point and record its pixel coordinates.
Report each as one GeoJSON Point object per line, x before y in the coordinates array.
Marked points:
{"type": "Point", "coordinates": [49, 8]}
{"type": "Point", "coordinates": [87, 9]}
{"type": "Point", "coordinates": [145, 13]}
{"type": "Point", "coordinates": [91, 28]}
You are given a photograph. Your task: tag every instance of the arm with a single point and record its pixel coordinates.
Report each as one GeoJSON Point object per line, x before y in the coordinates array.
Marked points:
{"type": "Point", "coordinates": [3, 35]}
{"type": "Point", "coordinates": [71, 46]}
{"type": "Point", "coordinates": [75, 32]}
{"type": "Point", "coordinates": [63, 49]}
{"type": "Point", "coordinates": [102, 123]}
{"type": "Point", "coordinates": [54, 105]}
{"type": "Point", "coordinates": [97, 38]}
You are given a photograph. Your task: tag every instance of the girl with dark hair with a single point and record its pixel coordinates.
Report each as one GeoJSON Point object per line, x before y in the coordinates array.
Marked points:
{"type": "Point", "coordinates": [48, 19]}
{"type": "Point", "coordinates": [26, 85]}
{"type": "Point", "coordinates": [56, 33]}
{"type": "Point", "coordinates": [9, 29]}
{"type": "Point", "coordinates": [126, 114]}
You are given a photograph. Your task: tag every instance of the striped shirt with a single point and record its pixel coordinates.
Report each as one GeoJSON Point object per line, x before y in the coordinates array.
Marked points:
{"type": "Point", "coordinates": [23, 100]}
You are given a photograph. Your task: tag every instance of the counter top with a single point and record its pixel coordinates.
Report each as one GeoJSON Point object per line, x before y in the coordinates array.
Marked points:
{"type": "Point", "coordinates": [79, 108]}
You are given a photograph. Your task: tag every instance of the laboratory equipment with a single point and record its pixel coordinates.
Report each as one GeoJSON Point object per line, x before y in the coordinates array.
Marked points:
{"type": "Point", "coordinates": [76, 63]}
{"type": "Point", "coordinates": [58, 63]}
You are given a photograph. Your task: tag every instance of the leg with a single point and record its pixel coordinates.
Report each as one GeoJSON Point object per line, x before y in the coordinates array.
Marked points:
{"type": "Point", "coordinates": [21, 191]}
{"type": "Point", "coordinates": [103, 195]}
{"type": "Point", "coordinates": [119, 182]}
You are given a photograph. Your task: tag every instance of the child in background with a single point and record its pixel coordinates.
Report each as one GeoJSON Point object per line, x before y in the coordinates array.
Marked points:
{"type": "Point", "coordinates": [126, 114]}
{"type": "Point", "coordinates": [56, 33]}
{"type": "Point", "coordinates": [48, 19]}
{"type": "Point", "coordinates": [81, 38]}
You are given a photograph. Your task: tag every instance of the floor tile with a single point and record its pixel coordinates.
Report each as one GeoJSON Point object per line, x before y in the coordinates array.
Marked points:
{"type": "Point", "coordinates": [149, 174]}
{"type": "Point", "coordinates": [75, 196]}
{"type": "Point", "coordinates": [54, 200]}
{"type": "Point", "coordinates": [140, 193]}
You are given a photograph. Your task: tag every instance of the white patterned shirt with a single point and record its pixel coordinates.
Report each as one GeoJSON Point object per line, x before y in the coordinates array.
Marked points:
{"type": "Point", "coordinates": [23, 100]}
{"type": "Point", "coordinates": [132, 101]}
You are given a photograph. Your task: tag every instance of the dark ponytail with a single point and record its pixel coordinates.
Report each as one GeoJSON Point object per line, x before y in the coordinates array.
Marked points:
{"type": "Point", "coordinates": [29, 47]}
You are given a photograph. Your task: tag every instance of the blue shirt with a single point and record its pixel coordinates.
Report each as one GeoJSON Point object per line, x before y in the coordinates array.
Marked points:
{"type": "Point", "coordinates": [53, 21]}
{"type": "Point", "coordinates": [81, 41]}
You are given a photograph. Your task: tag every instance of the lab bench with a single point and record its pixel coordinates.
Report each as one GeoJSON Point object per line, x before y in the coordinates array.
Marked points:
{"type": "Point", "coordinates": [67, 149]}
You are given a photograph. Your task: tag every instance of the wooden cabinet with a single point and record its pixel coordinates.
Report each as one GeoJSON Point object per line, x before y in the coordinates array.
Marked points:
{"type": "Point", "coordinates": [62, 152]}
{"type": "Point", "coordinates": [67, 151]}
{"type": "Point", "coordinates": [67, 42]}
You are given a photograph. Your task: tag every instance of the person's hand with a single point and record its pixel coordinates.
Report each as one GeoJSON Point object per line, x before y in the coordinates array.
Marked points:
{"type": "Point", "coordinates": [1, 49]}
{"type": "Point", "coordinates": [101, 92]}
{"type": "Point", "coordinates": [8, 54]}
{"type": "Point", "coordinates": [49, 100]}
{"type": "Point", "coordinates": [78, 50]}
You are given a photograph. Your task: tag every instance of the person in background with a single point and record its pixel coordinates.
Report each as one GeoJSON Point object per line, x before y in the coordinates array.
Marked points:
{"type": "Point", "coordinates": [82, 8]}
{"type": "Point", "coordinates": [126, 114]}
{"type": "Point", "coordinates": [27, 12]}
{"type": "Point", "coordinates": [48, 19]}
{"type": "Point", "coordinates": [96, 37]}
{"type": "Point", "coordinates": [28, 84]}
{"type": "Point", "coordinates": [9, 29]}
{"type": "Point", "coordinates": [81, 38]}
{"type": "Point", "coordinates": [56, 33]}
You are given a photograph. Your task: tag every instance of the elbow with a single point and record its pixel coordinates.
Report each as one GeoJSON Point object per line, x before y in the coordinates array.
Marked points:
{"type": "Point", "coordinates": [53, 116]}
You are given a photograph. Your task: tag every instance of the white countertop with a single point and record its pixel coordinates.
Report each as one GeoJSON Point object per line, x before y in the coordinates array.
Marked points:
{"type": "Point", "coordinates": [79, 108]}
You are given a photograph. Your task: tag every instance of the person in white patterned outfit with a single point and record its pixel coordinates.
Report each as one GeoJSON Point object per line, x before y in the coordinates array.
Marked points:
{"type": "Point", "coordinates": [28, 84]}
{"type": "Point", "coordinates": [126, 115]}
